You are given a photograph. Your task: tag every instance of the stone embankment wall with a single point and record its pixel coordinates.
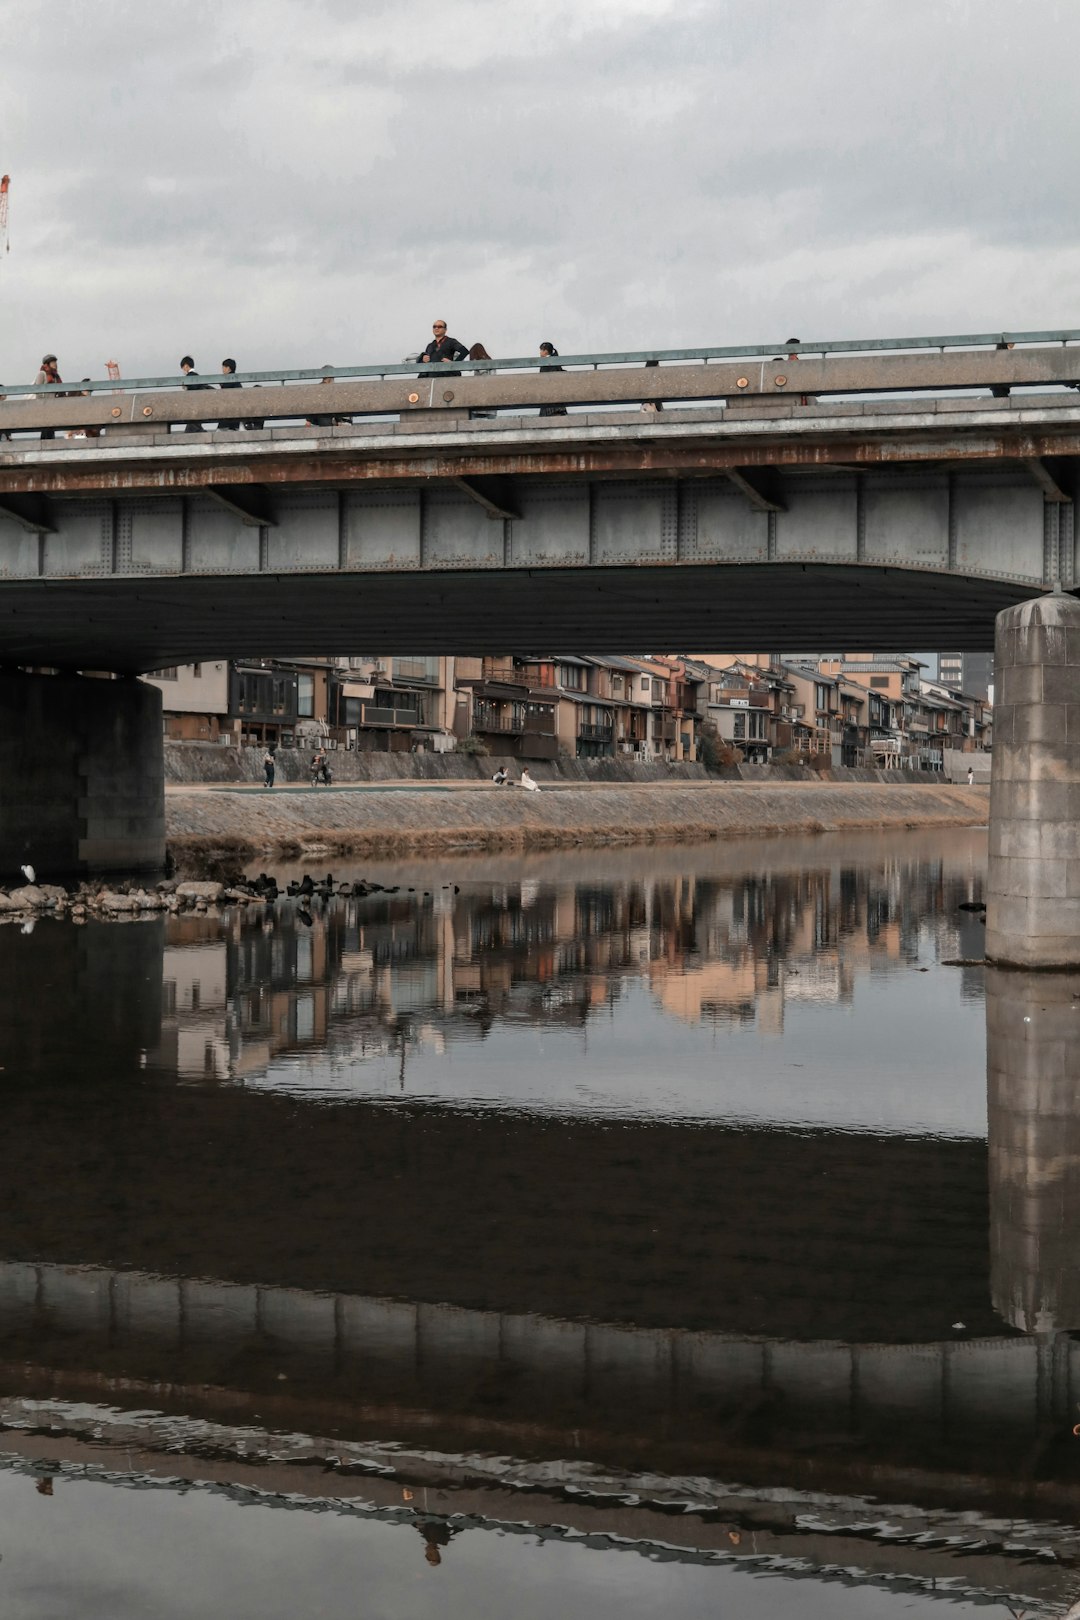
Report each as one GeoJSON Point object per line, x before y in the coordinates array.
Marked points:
{"type": "Point", "coordinates": [213, 763]}
{"type": "Point", "coordinates": [377, 823]}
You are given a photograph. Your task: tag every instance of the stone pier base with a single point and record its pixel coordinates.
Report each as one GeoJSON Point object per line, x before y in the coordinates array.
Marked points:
{"type": "Point", "coordinates": [1033, 885]}
{"type": "Point", "coordinates": [81, 777]}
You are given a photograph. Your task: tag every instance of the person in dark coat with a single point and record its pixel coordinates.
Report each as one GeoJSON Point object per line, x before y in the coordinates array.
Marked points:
{"type": "Point", "coordinates": [191, 380]}
{"type": "Point", "coordinates": [228, 367]}
{"type": "Point", "coordinates": [48, 374]}
{"type": "Point", "coordinates": [548, 351]}
{"type": "Point", "coordinates": [443, 349]}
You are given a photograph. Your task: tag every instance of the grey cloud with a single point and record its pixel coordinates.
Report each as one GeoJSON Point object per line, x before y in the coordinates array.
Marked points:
{"type": "Point", "coordinates": [618, 173]}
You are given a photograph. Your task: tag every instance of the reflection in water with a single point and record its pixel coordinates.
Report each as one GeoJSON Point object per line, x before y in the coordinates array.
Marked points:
{"type": "Point", "coordinates": [374, 996]}
{"type": "Point", "coordinates": [475, 1331]}
{"type": "Point", "coordinates": [1033, 1096]}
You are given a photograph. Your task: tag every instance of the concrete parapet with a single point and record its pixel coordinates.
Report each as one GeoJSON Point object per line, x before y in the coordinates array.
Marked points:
{"type": "Point", "coordinates": [81, 776]}
{"type": "Point", "coordinates": [1033, 888]}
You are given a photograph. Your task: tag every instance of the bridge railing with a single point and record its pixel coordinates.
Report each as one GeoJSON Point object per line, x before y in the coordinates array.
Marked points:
{"type": "Point", "coordinates": [790, 375]}
{"type": "Point", "coordinates": [413, 367]}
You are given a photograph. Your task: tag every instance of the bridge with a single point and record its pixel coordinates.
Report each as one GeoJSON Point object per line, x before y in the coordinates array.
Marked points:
{"type": "Point", "coordinates": [913, 488]}
{"type": "Point", "coordinates": [773, 501]}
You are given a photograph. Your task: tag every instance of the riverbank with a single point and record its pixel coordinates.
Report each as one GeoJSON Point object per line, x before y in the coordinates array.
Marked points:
{"type": "Point", "coordinates": [245, 823]}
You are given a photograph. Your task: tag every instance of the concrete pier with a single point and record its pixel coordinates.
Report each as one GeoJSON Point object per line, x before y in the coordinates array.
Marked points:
{"type": "Point", "coordinates": [81, 776]}
{"type": "Point", "coordinates": [1033, 887]}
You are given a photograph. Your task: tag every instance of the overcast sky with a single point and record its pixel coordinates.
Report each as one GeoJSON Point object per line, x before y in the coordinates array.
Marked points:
{"type": "Point", "coordinates": [300, 182]}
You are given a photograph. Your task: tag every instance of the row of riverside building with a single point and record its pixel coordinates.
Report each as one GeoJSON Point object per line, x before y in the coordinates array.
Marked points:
{"type": "Point", "coordinates": [841, 709]}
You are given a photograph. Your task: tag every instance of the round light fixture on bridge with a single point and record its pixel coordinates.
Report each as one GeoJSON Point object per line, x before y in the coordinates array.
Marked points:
{"type": "Point", "coordinates": [779, 381]}
{"type": "Point", "coordinates": [742, 382]}
{"type": "Point", "coordinates": [448, 395]}
{"type": "Point", "coordinates": [413, 398]}
{"type": "Point", "coordinates": [148, 410]}
{"type": "Point", "coordinates": [116, 411]}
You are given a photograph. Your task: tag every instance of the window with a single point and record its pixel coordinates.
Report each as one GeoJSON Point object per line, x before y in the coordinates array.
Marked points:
{"type": "Point", "coordinates": [164, 674]}
{"type": "Point", "coordinates": [646, 684]}
{"type": "Point", "coordinates": [880, 681]}
{"type": "Point", "coordinates": [572, 677]}
{"type": "Point", "coordinates": [305, 696]}
{"type": "Point", "coordinates": [740, 727]}
{"type": "Point", "coordinates": [616, 686]}
{"type": "Point", "coordinates": [757, 726]}
{"type": "Point", "coordinates": [196, 670]}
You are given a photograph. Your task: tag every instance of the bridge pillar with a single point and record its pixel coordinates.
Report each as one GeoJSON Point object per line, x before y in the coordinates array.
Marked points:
{"type": "Point", "coordinates": [1033, 885]}
{"type": "Point", "coordinates": [81, 776]}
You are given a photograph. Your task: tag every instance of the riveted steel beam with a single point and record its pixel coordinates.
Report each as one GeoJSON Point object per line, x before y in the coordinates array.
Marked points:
{"type": "Point", "coordinates": [493, 494]}
{"type": "Point", "coordinates": [30, 511]}
{"type": "Point", "coordinates": [1045, 479]}
{"type": "Point", "coordinates": [761, 489]}
{"type": "Point", "coordinates": [250, 502]}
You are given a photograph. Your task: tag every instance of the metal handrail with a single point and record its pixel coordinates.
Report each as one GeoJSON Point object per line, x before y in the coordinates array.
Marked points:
{"type": "Point", "coordinates": [638, 357]}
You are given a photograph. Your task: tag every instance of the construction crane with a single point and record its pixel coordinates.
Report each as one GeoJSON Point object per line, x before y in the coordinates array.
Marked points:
{"type": "Point", "coordinates": [5, 189]}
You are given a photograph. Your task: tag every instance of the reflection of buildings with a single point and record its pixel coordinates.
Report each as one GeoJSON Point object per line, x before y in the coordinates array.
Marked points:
{"type": "Point", "coordinates": [392, 971]}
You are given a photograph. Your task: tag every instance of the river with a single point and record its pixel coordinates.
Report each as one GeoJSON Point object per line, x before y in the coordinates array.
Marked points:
{"type": "Point", "coordinates": [683, 1228]}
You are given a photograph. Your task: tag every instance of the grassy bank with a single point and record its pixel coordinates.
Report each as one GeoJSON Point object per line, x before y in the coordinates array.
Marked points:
{"type": "Point", "coordinates": [244, 824]}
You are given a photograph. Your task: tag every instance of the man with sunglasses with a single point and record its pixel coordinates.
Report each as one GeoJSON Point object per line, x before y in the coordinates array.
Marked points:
{"type": "Point", "coordinates": [443, 349]}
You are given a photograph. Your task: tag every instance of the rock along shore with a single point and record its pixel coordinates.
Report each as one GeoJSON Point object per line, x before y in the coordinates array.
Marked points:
{"type": "Point", "coordinates": [291, 823]}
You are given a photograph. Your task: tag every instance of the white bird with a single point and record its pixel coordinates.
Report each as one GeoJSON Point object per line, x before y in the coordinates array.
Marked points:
{"type": "Point", "coordinates": [28, 873]}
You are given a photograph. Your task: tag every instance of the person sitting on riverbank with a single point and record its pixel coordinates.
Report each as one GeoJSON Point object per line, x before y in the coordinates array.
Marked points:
{"type": "Point", "coordinates": [527, 781]}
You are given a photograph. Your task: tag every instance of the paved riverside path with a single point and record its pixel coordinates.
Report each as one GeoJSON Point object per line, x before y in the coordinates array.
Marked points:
{"type": "Point", "coordinates": [385, 819]}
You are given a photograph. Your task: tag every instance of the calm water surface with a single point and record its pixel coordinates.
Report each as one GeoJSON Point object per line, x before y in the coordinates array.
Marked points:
{"type": "Point", "coordinates": [680, 1229]}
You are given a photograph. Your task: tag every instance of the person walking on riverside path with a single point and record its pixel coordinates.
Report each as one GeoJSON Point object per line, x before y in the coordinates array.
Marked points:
{"type": "Point", "coordinates": [268, 767]}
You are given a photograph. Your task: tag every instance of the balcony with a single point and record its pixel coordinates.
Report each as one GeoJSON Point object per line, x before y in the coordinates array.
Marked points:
{"type": "Point", "coordinates": [374, 714]}
{"type": "Point", "coordinates": [503, 724]}
{"type": "Point", "coordinates": [591, 733]}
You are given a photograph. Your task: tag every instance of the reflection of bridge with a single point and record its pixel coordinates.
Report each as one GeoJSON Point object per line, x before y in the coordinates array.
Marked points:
{"type": "Point", "coordinates": [771, 1306]}
{"type": "Point", "coordinates": [848, 1540]}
